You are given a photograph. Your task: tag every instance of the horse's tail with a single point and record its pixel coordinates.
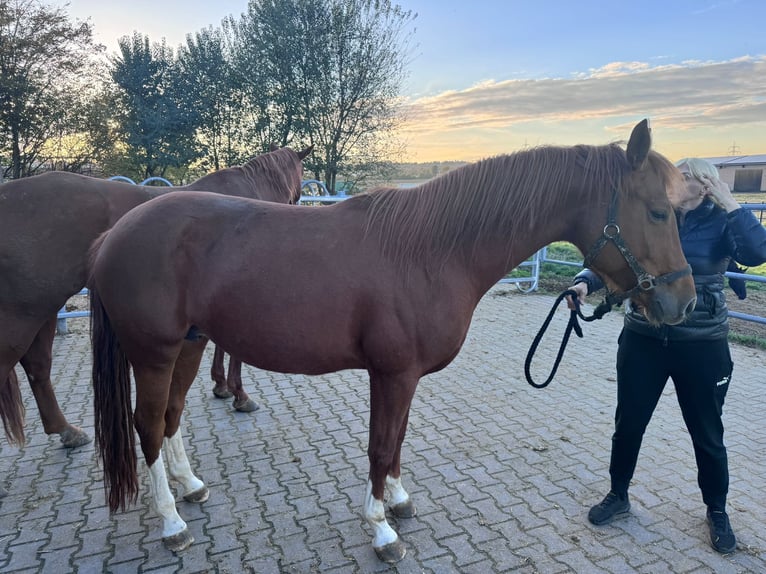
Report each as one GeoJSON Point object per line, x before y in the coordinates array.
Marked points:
{"type": "Point", "coordinates": [12, 409]}
{"type": "Point", "coordinates": [113, 411]}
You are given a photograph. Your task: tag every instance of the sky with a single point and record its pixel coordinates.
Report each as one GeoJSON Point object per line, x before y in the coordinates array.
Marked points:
{"type": "Point", "coordinates": [487, 77]}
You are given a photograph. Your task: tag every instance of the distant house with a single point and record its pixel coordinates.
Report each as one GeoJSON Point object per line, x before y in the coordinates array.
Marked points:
{"type": "Point", "coordinates": [743, 173]}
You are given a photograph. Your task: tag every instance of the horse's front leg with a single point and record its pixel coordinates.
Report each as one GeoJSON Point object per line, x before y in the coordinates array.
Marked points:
{"type": "Point", "coordinates": [221, 388]}
{"type": "Point", "coordinates": [36, 363]}
{"type": "Point", "coordinates": [390, 399]}
{"type": "Point", "coordinates": [242, 402]}
{"type": "Point", "coordinates": [399, 500]}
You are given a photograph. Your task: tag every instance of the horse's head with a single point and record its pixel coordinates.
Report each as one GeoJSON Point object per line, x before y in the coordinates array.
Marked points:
{"type": "Point", "coordinates": [282, 172]}
{"type": "Point", "coordinates": [638, 252]}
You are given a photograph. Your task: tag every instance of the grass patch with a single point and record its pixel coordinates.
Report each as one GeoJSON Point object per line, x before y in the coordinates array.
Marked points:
{"type": "Point", "coordinates": [752, 341]}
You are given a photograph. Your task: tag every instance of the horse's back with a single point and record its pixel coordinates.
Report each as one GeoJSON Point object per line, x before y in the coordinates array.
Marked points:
{"type": "Point", "coordinates": [48, 222]}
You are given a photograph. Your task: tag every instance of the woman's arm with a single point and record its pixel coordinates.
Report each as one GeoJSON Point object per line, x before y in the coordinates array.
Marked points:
{"type": "Point", "coordinates": [746, 236]}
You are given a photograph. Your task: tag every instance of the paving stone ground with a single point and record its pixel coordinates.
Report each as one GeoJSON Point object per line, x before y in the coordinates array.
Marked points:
{"type": "Point", "coordinates": [502, 474]}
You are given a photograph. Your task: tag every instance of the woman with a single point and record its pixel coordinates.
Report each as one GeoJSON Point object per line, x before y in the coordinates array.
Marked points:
{"type": "Point", "coordinates": [714, 229]}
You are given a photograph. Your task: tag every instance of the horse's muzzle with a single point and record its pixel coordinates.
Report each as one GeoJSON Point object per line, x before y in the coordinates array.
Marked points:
{"type": "Point", "coordinates": [665, 307]}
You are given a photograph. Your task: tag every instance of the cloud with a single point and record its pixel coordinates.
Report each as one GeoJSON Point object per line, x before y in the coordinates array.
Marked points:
{"type": "Point", "coordinates": [682, 96]}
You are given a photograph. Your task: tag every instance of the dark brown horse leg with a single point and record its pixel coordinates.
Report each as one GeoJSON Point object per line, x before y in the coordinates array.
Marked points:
{"type": "Point", "coordinates": [37, 365]}
{"type": "Point", "coordinates": [390, 398]}
{"type": "Point", "coordinates": [221, 389]}
{"type": "Point", "coordinates": [186, 368]}
{"type": "Point", "coordinates": [242, 402]}
{"type": "Point", "coordinates": [399, 500]}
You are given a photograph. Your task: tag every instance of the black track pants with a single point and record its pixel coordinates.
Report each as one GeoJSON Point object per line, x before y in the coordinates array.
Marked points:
{"type": "Point", "coordinates": [700, 371]}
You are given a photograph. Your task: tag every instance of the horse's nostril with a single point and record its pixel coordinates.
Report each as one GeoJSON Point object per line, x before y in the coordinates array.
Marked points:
{"type": "Point", "coordinates": [690, 307]}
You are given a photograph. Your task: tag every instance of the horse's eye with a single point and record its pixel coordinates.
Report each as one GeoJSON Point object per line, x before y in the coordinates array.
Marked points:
{"type": "Point", "coordinates": [658, 216]}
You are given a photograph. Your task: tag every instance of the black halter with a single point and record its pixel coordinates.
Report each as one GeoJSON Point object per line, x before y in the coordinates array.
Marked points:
{"type": "Point", "coordinates": [644, 281]}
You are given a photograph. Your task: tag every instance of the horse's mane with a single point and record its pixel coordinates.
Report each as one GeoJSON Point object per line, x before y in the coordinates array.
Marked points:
{"type": "Point", "coordinates": [499, 197]}
{"type": "Point", "coordinates": [266, 165]}
{"type": "Point", "coordinates": [270, 170]}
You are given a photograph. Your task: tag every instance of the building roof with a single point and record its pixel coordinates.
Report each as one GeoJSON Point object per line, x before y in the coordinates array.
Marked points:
{"type": "Point", "coordinates": [737, 160]}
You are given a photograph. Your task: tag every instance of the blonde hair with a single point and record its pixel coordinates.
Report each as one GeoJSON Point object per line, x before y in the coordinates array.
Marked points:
{"type": "Point", "coordinates": [699, 167]}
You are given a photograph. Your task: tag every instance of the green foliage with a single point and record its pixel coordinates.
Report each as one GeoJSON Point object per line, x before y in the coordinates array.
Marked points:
{"type": "Point", "coordinates": [156, 114]}
{"type": "Point", "coordinates": [748, 340]}
{"type": "Point", "coordinates": [327, 73]}
{"type": "Point", "coordinates": [205, 65]}
{"type": "Point", "coordinates": [43, 58]}
{"type": "Point", "coordinates": [562, 251]}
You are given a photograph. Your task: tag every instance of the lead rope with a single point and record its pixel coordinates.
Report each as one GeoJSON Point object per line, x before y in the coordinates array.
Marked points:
{"type": "Point", "coordinates": [573, 325]}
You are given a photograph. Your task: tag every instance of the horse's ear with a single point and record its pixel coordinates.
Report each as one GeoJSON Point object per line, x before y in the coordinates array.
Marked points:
{"type": "Point", "coordinates": [305, 153]}
{"type": "Point", "coordinates": [638, 145]}
{"type": "Point", "coordinates": [273, 147]}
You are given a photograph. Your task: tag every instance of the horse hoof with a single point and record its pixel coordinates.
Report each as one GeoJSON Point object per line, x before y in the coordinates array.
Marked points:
{"type": "Point", "coordinates": [199, 495]}
{"type": "Point", "coordinates": [178, 542]}
{"type": "Point", "coordinates": [246, 406]}
{"type": "Point", "coordinates": [74, 437]}
{"type": "Point", "coordinates": [404, 509]}
{"type": "Point", "coordinates": [392, 552]}
{"type": "Point", "coordinates": [222, 393]}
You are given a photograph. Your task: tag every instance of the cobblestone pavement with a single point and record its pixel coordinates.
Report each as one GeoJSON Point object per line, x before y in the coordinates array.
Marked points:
{"type": "Point", "coordinates": [502, 474]}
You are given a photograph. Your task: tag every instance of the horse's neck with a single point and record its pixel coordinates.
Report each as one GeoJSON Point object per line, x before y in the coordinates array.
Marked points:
{"type": "Point", "coordinates": [491, 261]}
{"type": "Point", "coordinates": [492, 257]}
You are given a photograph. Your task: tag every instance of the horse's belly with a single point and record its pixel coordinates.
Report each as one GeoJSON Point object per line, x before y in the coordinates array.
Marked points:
{"type": "Point", "coordinates": [287, 346]}
{"type": "Point", "coordinates": [300, 359]}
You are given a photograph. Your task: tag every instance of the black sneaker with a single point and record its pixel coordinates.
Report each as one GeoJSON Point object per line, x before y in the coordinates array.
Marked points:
{"type": "Point", "coordinates": [721, 535]}
{"type": "Point", "coordinates": [612, 506]}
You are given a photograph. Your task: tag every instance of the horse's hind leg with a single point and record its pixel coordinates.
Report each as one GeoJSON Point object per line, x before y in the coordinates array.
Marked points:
{"type": "Point", "coordinates": [221, 388]}
{"type": "Point", "coordinates": [37, 365]}
{"type": "Point", "coordinates": [242, 402]}
{"type": "Point", "coordinates": [390, 398]}
{"type": "Point", "coordinates": [186, 368]}
{"type": "Point", "coordinates": [175, 533]}
{"type": "Point", "coordinates": [152, 389]}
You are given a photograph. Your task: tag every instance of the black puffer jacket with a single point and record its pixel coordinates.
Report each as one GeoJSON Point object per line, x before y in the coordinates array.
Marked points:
{"type": "Point", "coordinates": [710, 238]}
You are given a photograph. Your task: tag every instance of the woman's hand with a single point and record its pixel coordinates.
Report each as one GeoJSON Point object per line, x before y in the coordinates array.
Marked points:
{"type": "Point", "coordinates": [581, 289]}
{"type": "Point", "coordinates": [720, 193]}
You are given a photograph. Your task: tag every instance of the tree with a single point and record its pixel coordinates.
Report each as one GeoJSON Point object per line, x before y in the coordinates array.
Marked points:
{"type": "Point", "coordinates": [42, 54]}
{"type": "Point", "coordinates": [332, 71]}
{"type": "Point", "coordinates": [217, 98]}
{"type": "Point", "coordinates": [155, 115]}
{"type": "Point", "coordinates": [262, 66]}
{"type": "Point", "coordinates": [355, 86]}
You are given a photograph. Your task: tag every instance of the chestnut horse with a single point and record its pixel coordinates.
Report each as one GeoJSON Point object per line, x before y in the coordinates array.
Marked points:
{"type": "Point", "coordinates": [48, 222]}
{"type": "Point", "coordinates": [403, 271]}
